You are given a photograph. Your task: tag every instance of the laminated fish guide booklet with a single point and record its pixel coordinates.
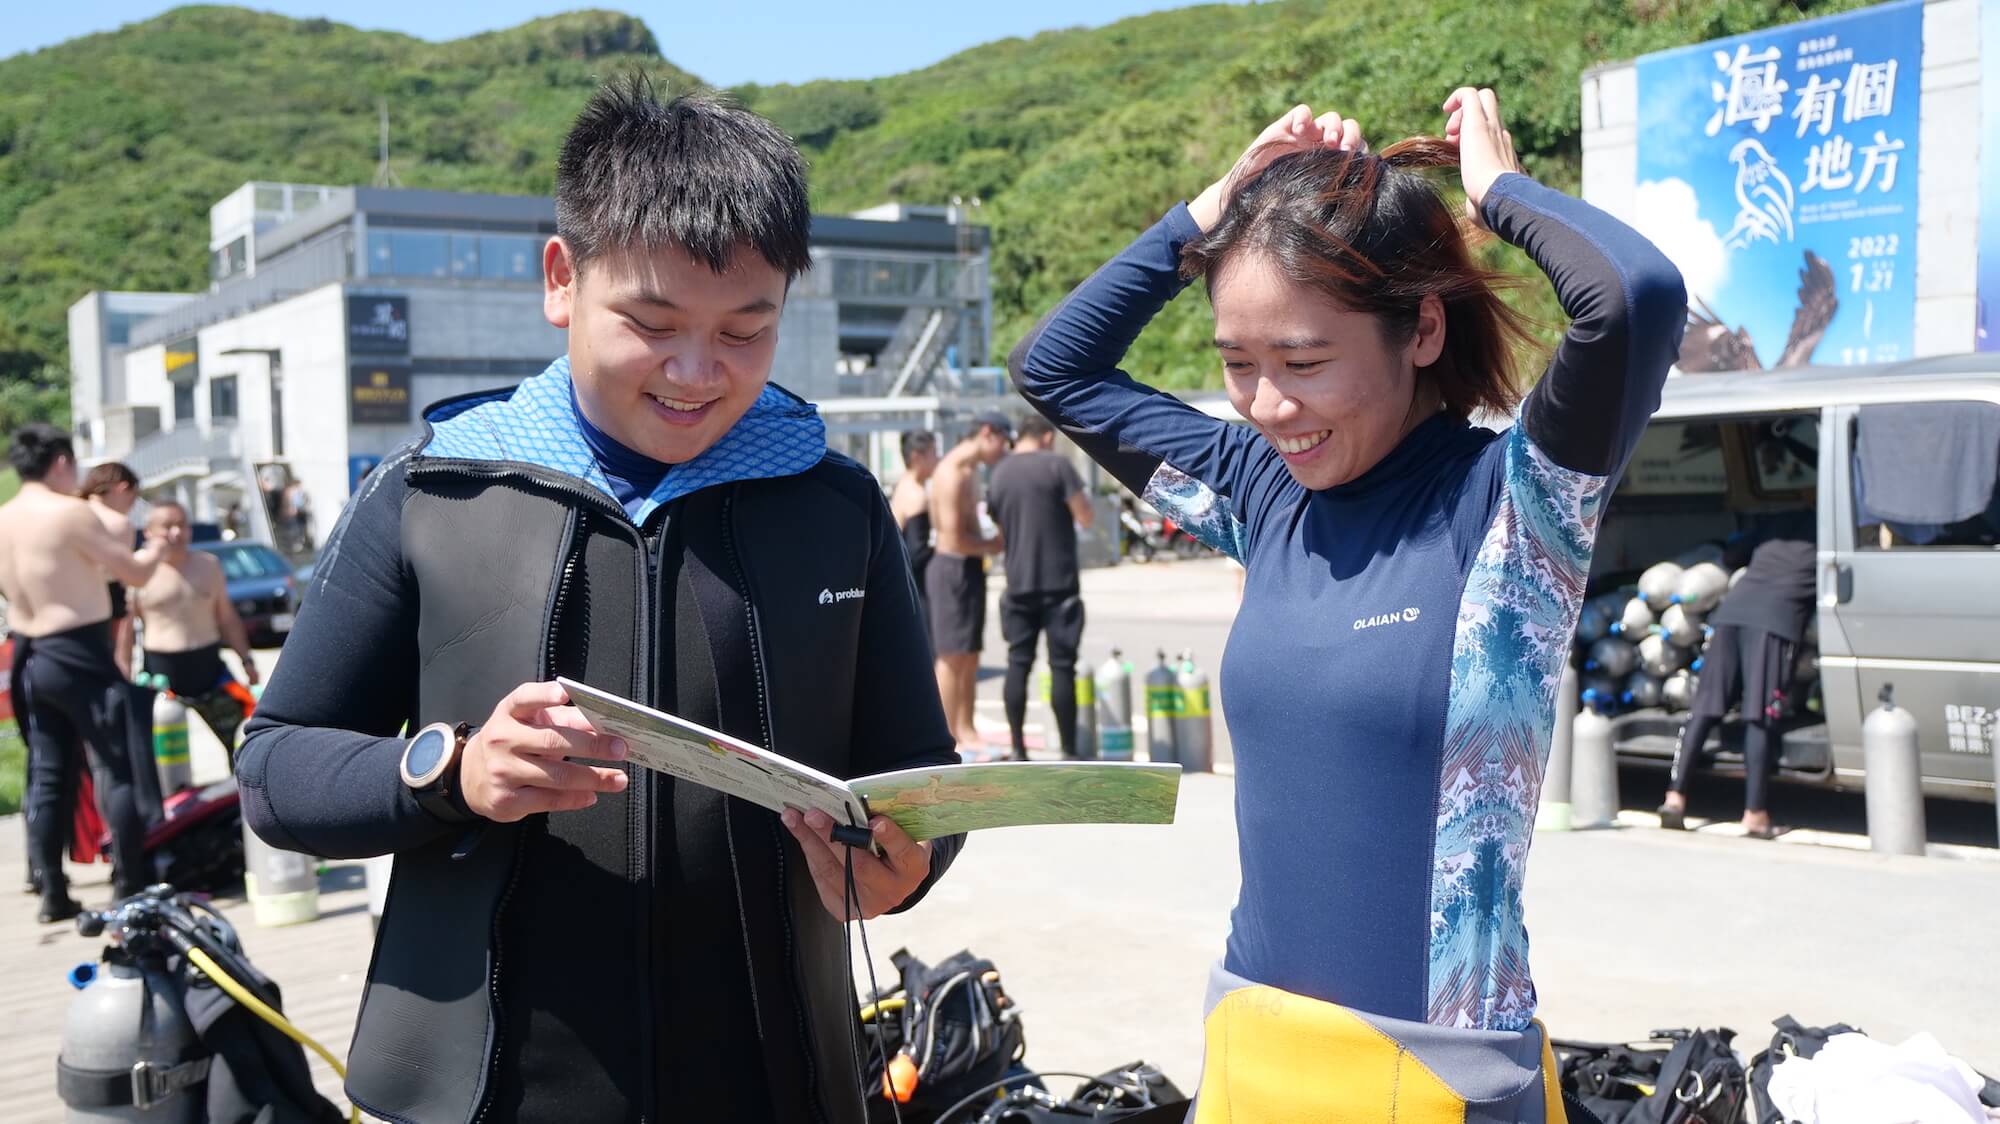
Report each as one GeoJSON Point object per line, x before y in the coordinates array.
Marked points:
{"type": "Point", "coordinates": [927, 803]}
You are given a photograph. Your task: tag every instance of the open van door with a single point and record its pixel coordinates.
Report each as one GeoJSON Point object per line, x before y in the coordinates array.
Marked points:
{"type": "Point", "coordinates": [1912, 580]}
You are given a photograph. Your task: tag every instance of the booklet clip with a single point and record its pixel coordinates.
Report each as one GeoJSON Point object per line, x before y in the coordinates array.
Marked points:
{"type": "Point", "coordinates": [853, 836]}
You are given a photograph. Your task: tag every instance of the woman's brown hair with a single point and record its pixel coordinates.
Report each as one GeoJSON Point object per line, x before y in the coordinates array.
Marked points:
{"type": "Point", "coordinates": [101, 480]}
{"type": "Point", "coordinates": [1373, 233]}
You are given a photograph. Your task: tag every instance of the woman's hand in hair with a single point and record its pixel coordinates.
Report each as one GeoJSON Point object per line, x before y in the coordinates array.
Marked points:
{"type": "Point", "coordinates": [1296, 131]}
{"type": "Point", "coordinates": [1485, 147]}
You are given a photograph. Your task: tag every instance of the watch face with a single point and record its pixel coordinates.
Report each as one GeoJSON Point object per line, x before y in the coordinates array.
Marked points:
{"type": "Point", "coordinates": [426, 750]}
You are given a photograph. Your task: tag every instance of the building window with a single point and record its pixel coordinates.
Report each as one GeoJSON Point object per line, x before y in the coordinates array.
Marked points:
{"type": "Point", "coordinates": [465, 256]}
{"type": "Point", "coordinates": [229, 260]}
{"type": "Point", "coordinates": [1924, 476]}
{"type": "Point", "coordinates": [222, 397]}
{"type": "Point", "coordinates": [510, 257]}
{"type": "Point", "coordinates": [183, 402]}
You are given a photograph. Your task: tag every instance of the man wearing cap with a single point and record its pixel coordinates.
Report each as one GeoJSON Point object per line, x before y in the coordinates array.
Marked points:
{"type": "Point", "coordinates": [955, 580]}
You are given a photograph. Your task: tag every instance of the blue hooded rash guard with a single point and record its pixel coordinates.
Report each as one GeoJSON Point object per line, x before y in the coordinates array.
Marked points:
{"type": "Point", "coordinates": [1390, 680]}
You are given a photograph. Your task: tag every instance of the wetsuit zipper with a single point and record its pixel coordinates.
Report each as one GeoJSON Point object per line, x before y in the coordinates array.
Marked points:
{"type": "Point", "coordinates": [643, 826]}
{"type": "Point", "coordinates": [799, 995]}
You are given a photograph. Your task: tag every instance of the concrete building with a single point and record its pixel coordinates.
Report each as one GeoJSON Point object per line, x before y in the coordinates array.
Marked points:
{"type": "Point", "coordinates": [335, 314]}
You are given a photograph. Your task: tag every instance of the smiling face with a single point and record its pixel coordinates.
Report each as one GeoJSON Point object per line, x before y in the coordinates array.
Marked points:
{"type": "Point", "coordinates": [1320, 381]}
{"type": "Point", "coordinates": [666, 353]}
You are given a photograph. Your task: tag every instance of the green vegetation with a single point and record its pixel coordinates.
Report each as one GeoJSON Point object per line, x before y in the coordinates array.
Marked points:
{"type": "Point", "coordinates": [113, 146]}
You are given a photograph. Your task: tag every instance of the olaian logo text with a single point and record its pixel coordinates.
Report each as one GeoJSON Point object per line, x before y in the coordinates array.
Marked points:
{"type": "Point", "coordinates": [1387, 618]}
{"type": "Point", "coordinates": [828, 596]}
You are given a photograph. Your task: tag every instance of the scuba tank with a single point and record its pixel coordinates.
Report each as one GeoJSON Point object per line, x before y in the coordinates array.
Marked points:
{"type": "Point", "coordinates": [1612, 656]}
{"type": "Point", "coordinates": [1701, 587]}
{"type": "Point", "coordinates": [1657, 584]}
{"type": "Point", "coordinates": [1113, 685]}
{"type": "Point", "coordinates": [1659, 658]}
{"type": "Point", "coordinates": [1086, 716]}
{"type": "Point", "coordinates": [1677, 690]}
{"type": "Point", "coordinates": [170, 737]}
{"type": "Point", "coordinates": [1162, 705]}
{"type": "Point", "coordinates": [1681, 626]}
{"type": "Point", "coordinates": [167, 1027]}
{"type": "Point", "coordinates": [283, 886]}
{"type": "Point", "coordinates": [1086, 709]}
{"type": "Point", "coordinates": [1643, 689]}
{"type": "Point", "coordinates": [1594, 623]}
{"type": "Point", "coordinates": [1194, 729]}
{"type": "Point", "coordinates": [1601, 693]}
{"type": "Point", "coordinates": [129, 1051]}
{"type": "Point", "coordinates": [1634, 618]}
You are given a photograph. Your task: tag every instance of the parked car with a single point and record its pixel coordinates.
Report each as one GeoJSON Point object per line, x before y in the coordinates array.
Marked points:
{"type": "Point", "coordinates": [1912, 605]}
{"type": "Point", "coordinates": [261, 586]}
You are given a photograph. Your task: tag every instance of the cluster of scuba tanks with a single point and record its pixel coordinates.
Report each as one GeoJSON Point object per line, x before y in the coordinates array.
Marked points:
{"type": "Point", "coordinates": [1644, 646]}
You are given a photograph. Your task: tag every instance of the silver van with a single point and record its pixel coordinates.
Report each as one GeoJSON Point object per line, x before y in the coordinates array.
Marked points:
{"type": "Point", "coordinates": [1912, 601]}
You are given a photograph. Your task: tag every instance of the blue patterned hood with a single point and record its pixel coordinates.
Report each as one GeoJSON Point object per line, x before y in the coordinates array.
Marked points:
{"type": "Point", "coordinates": [535, 423]}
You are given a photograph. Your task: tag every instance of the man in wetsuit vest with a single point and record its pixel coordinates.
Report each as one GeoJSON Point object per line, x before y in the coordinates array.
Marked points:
{"type": "Point", "coordinates": [55, 558]}
{"type": "Point", "coordinates": [188, 616]}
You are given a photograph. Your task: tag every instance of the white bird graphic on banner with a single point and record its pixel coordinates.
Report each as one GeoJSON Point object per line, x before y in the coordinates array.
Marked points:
{"type": "Point", "coordinates": [1763, 194]}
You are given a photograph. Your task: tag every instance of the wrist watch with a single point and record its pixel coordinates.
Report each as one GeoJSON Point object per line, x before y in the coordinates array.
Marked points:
{"type": "Point", "coordinates": [430, 770]}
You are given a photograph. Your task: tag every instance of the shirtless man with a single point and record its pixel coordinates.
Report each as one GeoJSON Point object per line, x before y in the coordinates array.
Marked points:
{"type": "Point", "coordinates": [55, 558]}
{"type": "Point", "coordinates": [188, 616]}
{"type": "Point", "coordinates": [111, 490]}
{"type": "Point", "coordinates": [910, 503]}
{"type": "Point", "coordinates": [955, 580]}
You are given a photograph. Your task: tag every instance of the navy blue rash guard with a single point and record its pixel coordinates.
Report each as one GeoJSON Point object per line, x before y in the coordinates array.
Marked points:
{"type": "Point", "coordinates": [632, 476]}
{"type": "Point", "coordinates": [1390, 680]}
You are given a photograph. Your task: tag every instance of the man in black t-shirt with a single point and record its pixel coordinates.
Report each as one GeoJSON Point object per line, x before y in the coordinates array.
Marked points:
{"type": "Point", "coordinates": [1038, 500]}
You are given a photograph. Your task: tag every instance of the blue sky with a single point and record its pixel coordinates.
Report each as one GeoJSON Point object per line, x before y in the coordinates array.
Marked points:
{"type": "Point", "coordinates": [725, 43]}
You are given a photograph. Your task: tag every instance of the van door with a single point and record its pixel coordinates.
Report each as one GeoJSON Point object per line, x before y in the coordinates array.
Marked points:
{"type": "Point", "coordinates": [1915, 578]}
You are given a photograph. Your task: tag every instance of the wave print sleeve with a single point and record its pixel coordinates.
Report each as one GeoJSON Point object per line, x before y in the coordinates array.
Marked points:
{"type": "Point", "coordinates": [1627, 310]}
{"type": "Point", "coordinates": [1206, 474]}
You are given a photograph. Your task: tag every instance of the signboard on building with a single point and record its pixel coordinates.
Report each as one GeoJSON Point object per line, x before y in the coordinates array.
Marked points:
{"type": "Point", "coordinates": [378, 394]}
{"type": "Point", "coordinates": [183, 360]}
{"type": "Point", "coordinates": [1779, 170]}
{"type": "Point", "coordinates": [378, 325]}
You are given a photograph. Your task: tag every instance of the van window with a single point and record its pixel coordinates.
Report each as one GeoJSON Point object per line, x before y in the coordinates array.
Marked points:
{"type": "Point", "coordinates": [1926, 476]}
{"type": "Point", "coordinates": [1784, 455]}
{"type": "Point", "coordinates": [1677, 459]}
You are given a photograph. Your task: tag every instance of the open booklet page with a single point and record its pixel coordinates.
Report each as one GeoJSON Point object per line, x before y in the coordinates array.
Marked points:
{"type": "Point", "coordinates": [927, 803]}
{"type": "Point", "coordinates": [682, 749]}
{"type": "Point", "coordinates": [948, 799]}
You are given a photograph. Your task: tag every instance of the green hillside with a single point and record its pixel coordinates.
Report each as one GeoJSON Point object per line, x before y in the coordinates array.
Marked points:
{"type": "Point", "coordinates": [113, 146]}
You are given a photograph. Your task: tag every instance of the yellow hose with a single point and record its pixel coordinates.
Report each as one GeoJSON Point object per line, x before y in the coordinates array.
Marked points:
{"type": "Point", "coordinates": [263, 1011]}
{"type": "Point", "coordinates": [869, 1012]}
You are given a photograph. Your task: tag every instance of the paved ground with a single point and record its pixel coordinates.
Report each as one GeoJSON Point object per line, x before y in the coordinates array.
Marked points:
{"type": "Point", "coordinates": [1105, 934]}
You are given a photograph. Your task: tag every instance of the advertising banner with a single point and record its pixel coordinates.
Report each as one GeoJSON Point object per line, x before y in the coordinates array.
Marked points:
{"type": "Point", "coordinates": [378, 325]}
{"type": "Point", "coordinates": [1779, 170]}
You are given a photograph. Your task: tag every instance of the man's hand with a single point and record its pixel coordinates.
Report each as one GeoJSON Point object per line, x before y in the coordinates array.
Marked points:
{"type": "Point", "coordinates": [514, 766]}
{"type": "Point", "coordinates": [1485, 147]}
{"type": "Point", "coordinates": [1297, 131]}
{"type": "Point", "coordinates": [251, 676]}
{"type": "Point", "coordinates": [880, 884]}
